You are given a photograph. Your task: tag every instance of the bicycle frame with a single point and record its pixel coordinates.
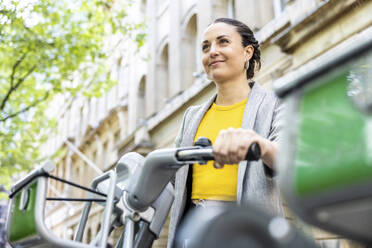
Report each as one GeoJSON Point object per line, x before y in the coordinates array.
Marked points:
{"type": "Point", "coordinates": [140, 200]}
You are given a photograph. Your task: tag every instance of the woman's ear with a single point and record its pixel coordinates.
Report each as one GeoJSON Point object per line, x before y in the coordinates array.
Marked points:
{"type": "Point", "coordinates": [248, 51]}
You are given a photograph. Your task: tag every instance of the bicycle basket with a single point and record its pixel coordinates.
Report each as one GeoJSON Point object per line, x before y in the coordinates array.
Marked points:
{"type": "Point", "coordinates": [25, 220]}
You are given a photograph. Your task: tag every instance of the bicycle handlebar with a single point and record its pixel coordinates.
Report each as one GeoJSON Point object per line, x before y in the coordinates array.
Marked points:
{"type": "Point", "coordinates": [204, 154]}
{"type": "Point", "coordinates": [160, 166]}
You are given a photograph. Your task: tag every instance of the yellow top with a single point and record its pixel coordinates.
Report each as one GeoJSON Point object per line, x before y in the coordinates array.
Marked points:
{"type": "Point", "coordinates": [208, 182]}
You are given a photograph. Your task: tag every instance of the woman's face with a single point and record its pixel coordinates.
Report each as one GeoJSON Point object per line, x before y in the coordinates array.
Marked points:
{"type": "Point", "coordinates": [223, 55]}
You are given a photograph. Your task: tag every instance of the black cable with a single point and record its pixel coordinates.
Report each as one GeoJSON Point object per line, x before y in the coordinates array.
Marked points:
{"type": "Point", "coordinates": [75, 199]}
{"type": "Point", "coordinates": [24, 183]}
{"type": "Point", "coordinates": [76, 185]}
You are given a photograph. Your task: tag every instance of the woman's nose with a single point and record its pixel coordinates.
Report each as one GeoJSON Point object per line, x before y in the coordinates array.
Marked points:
{"type": "Point", "coordinates": [213, 52]}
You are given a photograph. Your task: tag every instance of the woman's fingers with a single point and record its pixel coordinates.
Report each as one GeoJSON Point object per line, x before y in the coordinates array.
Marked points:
{"type": "Point", "coordinates": [220, 149]}
{"type": "Point", "coordinates": [235, 141]}
{"type": "Point", "coordinates": [231, 146]}
{"type": "Point", "coordinates": [216, 148]}
{"type": "Point", "coordinates": [243, 146]}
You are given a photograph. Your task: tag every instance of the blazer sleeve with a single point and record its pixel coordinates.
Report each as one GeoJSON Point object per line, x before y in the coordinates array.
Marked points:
{"type": "Point", "coordinates": [179, 137]}
{"type": "Point", "coordinates": [180, 134]}
{"type": "Point", "coordinates": [275, 129]}
{"type": "Point", "coordinates": [277, 122]}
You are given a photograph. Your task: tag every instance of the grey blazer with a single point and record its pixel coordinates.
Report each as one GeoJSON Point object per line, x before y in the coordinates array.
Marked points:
{"type": "Point", "coordinates": [255, 182]}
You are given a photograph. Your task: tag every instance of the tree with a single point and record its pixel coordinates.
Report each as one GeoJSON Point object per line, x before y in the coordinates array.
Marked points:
{"type": "Point", "coordinates": [47, 48]}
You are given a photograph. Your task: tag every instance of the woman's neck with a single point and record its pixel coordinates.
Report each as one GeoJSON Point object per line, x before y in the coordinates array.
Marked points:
{"type": "Point", "coordinates": [231, 92]}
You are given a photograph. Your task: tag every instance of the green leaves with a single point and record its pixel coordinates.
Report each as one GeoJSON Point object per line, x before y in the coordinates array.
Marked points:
{"type": "Point", "coordinates": [43, 44]}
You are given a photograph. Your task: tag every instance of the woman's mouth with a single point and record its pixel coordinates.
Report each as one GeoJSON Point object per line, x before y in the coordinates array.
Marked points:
{"type": "Point", "coordinates": [215, 63]}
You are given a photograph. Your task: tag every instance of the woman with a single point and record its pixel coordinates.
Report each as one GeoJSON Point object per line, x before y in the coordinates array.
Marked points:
{"type": "Point", "coordinates": [240, 113]}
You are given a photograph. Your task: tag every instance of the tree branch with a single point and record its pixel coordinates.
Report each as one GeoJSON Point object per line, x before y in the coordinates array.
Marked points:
{"type": "Point", "coordinates": [14, 68]}
{"type": "Point", "coordinates": [22, 79]}
{"type": "Point", "coordinates": [26, 108]}
{"type": "Point", "coordinates": [12, 87]}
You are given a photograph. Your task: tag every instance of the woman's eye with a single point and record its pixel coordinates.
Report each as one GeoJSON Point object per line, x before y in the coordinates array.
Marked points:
{"type": "Point", "coordinates": [204, 47]}
{"type": "Point", "coordinates": [223, 41]}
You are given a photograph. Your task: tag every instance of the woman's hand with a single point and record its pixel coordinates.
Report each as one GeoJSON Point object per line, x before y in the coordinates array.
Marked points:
{"type": "Point", "coordinates": [231, 147]}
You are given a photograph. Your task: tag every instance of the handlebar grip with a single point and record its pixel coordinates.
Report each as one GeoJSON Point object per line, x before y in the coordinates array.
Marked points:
{"type": "Point", "coordinates": [254, 152]}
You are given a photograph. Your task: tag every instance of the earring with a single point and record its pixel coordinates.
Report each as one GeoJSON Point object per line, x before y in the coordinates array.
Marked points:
{"type": "Point", "coordinates": [246, 64]}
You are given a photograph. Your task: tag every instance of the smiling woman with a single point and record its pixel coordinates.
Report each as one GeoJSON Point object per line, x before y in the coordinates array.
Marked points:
{"type": "Point", "coordinates": [239, 114]}
{"type": "Point", "coordinates": [222, 51]}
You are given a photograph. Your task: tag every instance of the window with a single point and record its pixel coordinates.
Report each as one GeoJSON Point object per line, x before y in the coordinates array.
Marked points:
{"type": "Point", "coordinates": [105, 157]}
{"type": "Point", "coordinates": [98, 228]}
{"type": "Point", "coordinates": [143, 6]}
{"type": "Point", "coordinates": [122, 80]}
{"type": "Point", "coordinates": [163, 78]}
{"type": "Point", "coordinates": [81, 122]}
{"type": "Point", "coordinates": [117, 136]}
{"type": "Point", "coordinates": [89, 235]}
{"type": "Point", "coordinates": [141, 101]}
{"type": "Point", "coordinates": [231, 9]}
{"type": "Point", "coordinates": [279, 6]}
{"type": "Point", "coordinates": [70, 233]}
{"type": "Point", "coordinates": [190, 51]}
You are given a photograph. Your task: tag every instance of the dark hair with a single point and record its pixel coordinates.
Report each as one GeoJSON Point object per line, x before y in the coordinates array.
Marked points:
{"type": "Point", "coordinates": [247, 39]}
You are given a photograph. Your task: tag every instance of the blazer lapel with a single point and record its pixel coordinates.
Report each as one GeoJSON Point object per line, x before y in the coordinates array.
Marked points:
{"type": "Point", "coordinates": [195, 120]}
{"type": "Point", "coordinates": [250, 112]}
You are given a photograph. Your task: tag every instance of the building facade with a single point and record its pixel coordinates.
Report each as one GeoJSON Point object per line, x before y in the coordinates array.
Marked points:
{"type": "Point", "coordinates": [158, 83]}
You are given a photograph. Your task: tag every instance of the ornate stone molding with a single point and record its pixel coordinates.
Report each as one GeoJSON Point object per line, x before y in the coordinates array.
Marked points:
{"type": "Point", "coordinates": [312, 22]}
